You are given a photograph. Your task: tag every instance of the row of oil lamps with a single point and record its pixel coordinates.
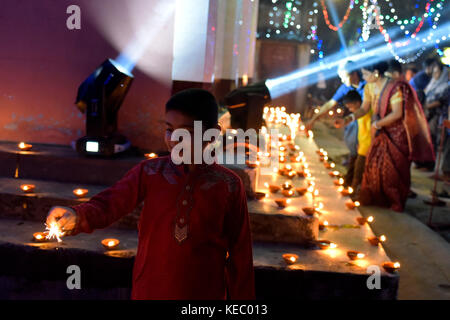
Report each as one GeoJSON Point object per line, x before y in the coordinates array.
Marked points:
{"type": "Point", "coordinates": [277, 116]}
{"type": "Point", "coordinates": [40, 237]}
{"type": "Point", "coordinates": [109, 243]}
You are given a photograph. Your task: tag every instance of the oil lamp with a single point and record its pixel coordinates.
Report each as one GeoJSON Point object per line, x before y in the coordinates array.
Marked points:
{"type": "Point", "coordinates": [260, 195]}
{"type": "Point", "coordinates": [290, 258]}
{"type": "Point", "coordinates": [282, 203]}
{"type": "Point", "coordinates": [346, 192]}
{"type": "Point", "coordinates": [391, 267]}
{"type": "Point", "coordinates": [24, 146]}
{"type": "Point", "coordinates": [355, 255]}
{"type": "Point", "coordinates": [110, 243]}
{"type": "Point", "coordinates": [252, 164]}
{"type": "Point", "coordinates": [40, 237]}
{"type": "Point", "coordinates": [362, 220]}
{"type": "Point", "coordinates": [301, 191]}
{"type": "Point", "coordinates": [376, 240]}
{"type": "Point", "coordinates": [80, 193]}
{"type": "Point", "coordinates": [334, 173]}
{"type": "Point", "coordinates": [151, 155]}
{"type": "Point", "coordinates": [287, 193]}
{"type": "Point", "coordinates": [352, 205]}
{"type": "Point", "coordinates": [27, 188]}
{"type": "Point", "coordinates": [339, 182]}
{"type": "Point", "coordinates": [274, 188]}
{"type": "Point", "coordinates": [323, 225]}
{"type": "Point", "coordinates": [325, 244]}
{"type": "Point", "coordinates": [309, 211]}
{"type": "Point", "coordinates": [287, 186]}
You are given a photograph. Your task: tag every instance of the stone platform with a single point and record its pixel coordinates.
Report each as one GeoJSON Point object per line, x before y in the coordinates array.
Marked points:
{"type": "Point", "coordinates": [316, 275]}
{"type": "Point", "coordinates": [32, 270]}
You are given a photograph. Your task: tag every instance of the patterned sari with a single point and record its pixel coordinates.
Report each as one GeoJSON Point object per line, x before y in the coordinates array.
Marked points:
{"type": "Point", "coordinates": [387, 176]}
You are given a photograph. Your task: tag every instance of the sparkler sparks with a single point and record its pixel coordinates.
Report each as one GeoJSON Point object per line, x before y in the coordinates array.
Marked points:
{"type": "Point", "coordinates": [53, 232]}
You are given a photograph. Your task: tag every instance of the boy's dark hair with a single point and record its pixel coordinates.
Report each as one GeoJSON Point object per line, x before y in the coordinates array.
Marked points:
{"type": "Point", "coordinates": [428, 62]}
{"type": "Point", "coordinates": [394, 65]}
{"type": "Point", "coordinates": [196, 103]}
{"type": "Point", "coordinates": [380, 66]}
{"type": "Point", "coordinates": [352, 96]}
{"type": "Point", "coordinates": [350, 67]}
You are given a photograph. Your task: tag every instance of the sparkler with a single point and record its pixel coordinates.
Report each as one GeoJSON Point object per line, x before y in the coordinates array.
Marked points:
{"type": "Point", "coordinates": [54, 232]}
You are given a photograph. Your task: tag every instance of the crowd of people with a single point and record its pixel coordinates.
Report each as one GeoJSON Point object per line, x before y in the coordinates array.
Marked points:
{"type": "Point", "coordinates": [394, 118]}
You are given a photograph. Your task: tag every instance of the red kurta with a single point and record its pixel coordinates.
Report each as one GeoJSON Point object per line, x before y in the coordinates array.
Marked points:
{"type": "Point", "coordinates": [210, 201]}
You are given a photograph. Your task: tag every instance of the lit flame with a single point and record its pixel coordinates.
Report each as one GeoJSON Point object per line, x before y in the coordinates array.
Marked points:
{"type": "Point", "coordinates": [111, 243]}
{"type": "Point", "coordinates": [38, 236]}
{"type": "Point", "coordinates": [357, 204]}
{"type": "Point", "coordinates": [292, 259]}
{"type": "Point", "coordinates": [325, 223]}
{"type": "Point", "coordinates": [350, 190]}
{"type": "Point", "coordinates": [266, 184]}
{"type": "Point", "coordinates": [382, 238]}
{"type": "Point", "coordinates": [332, 165]}
{"type": "Point", "coordinates": [397, 265]}
{"type": "Point", "coordinates": [333, 245]}
{"type": "Point", "coordinates": [360, 255]}
{"type": "Point", "coordinates": [54, 231]}
{"type": "Point", "coordinates": [369, 219]}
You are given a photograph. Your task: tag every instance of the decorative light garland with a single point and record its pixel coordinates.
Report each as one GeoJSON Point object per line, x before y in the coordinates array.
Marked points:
{"type": "Point", "coordinates": [327, 20]}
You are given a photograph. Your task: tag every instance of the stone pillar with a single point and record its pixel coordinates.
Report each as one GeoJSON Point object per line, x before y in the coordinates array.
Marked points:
{"type": "Point", "coordinates": [235, 44]}
{"type": "Point", "coordinates": [194, 44]}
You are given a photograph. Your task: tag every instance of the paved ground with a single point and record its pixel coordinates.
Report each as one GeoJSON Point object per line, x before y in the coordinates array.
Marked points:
{"type": "Point", "coordinates": [423, 252]}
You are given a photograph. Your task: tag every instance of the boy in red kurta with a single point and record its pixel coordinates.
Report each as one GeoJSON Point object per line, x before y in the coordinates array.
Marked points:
{"type": "Point", "coordinates": [194, 236]}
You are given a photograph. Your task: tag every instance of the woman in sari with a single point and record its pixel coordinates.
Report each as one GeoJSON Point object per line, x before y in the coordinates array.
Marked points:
{"type": "Point", "coordinates": [400, 136]}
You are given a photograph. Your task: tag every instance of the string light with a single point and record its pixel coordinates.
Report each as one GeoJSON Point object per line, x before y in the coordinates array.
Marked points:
{"type": "Point", "coordinates": [327, 20]}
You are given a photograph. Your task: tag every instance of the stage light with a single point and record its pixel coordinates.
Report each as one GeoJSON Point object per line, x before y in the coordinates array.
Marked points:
{"type": "Point", "coordinates": [246, 106]}
{"type": "Point", "coordinates": [100, 97]}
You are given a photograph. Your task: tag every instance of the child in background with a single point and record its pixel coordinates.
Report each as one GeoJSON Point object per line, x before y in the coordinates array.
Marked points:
{"type": "Point", "coordinates": [352, 100]}
{"type": "Point", "coordinates": [194, 235]}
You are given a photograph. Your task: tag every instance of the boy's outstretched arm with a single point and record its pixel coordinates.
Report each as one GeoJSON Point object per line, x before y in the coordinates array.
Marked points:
{"type": "Point", "coordinates": [240, 273]}
{"type": "Point", "coordinates": [111, 204]}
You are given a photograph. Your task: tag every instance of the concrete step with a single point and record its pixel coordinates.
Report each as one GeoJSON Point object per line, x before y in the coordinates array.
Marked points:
{"type": "Point", "coordinates": [14, 203]}
{"type": "Point", "coordinates": [38, 270]}
{"type": "Point", "coordinates": [63, 164]}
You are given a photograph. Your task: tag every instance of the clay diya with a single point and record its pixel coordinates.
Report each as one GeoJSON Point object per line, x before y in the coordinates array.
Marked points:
{"type": "Point", "coordinates": [323, 225]}
{"type": "Point", "coordinates": [287, 193]}
{"type": "Point", "coordinates": [376, 240]}
{"type": "Point", "coordinates": [274, 188]}
{"type": "Point", "coordinates": [309, 211]}
{"type": "Point", "coordinates": [290, 258]}
{"type": "Point", "coordinates": [352, 205]}
{"type": "Point", "coordinates": [151, 155]}
{"type": "Point", "coordinates": [301, 191]}
{"type": "Point", "coordinates": [27, 188]}
{"type": "Point", "coordinates": [334, 173]}
{"type": "Point", "coordinates": [282, 203]}
{"type": "Point", "coordinates": [325, 244]}
{"type": "Point", "coordinates": [355, 255]}
{"type": "Point", "coordinates": [391, 267]}
{"type": "Point", "coordinates": [287, 186]}
{"type": "Point", "coordinates": [347, 192]}
{"type": "Point", "coordinates": [24, 146]}
{"type": "Point", "coordinates": [260, 195]}
{"type": "Point", "coordinates": [80, 193]}
{"type": "Point", "coordinates": [252, 164]}
{"type": "Point", "coordinates": [110, 243]}
{"type": "Point", "coordinates": [362, 220]}
{"type": "Point", "coordinates": [40, 237]}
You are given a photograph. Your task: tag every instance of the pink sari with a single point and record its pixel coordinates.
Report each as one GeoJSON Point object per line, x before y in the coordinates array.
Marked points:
{"type": "Point", "coordinates": [387, 177]}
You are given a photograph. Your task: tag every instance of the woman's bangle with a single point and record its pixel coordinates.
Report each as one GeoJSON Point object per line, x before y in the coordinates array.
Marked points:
{"type": "Point", "coordinates": [375, 124]}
